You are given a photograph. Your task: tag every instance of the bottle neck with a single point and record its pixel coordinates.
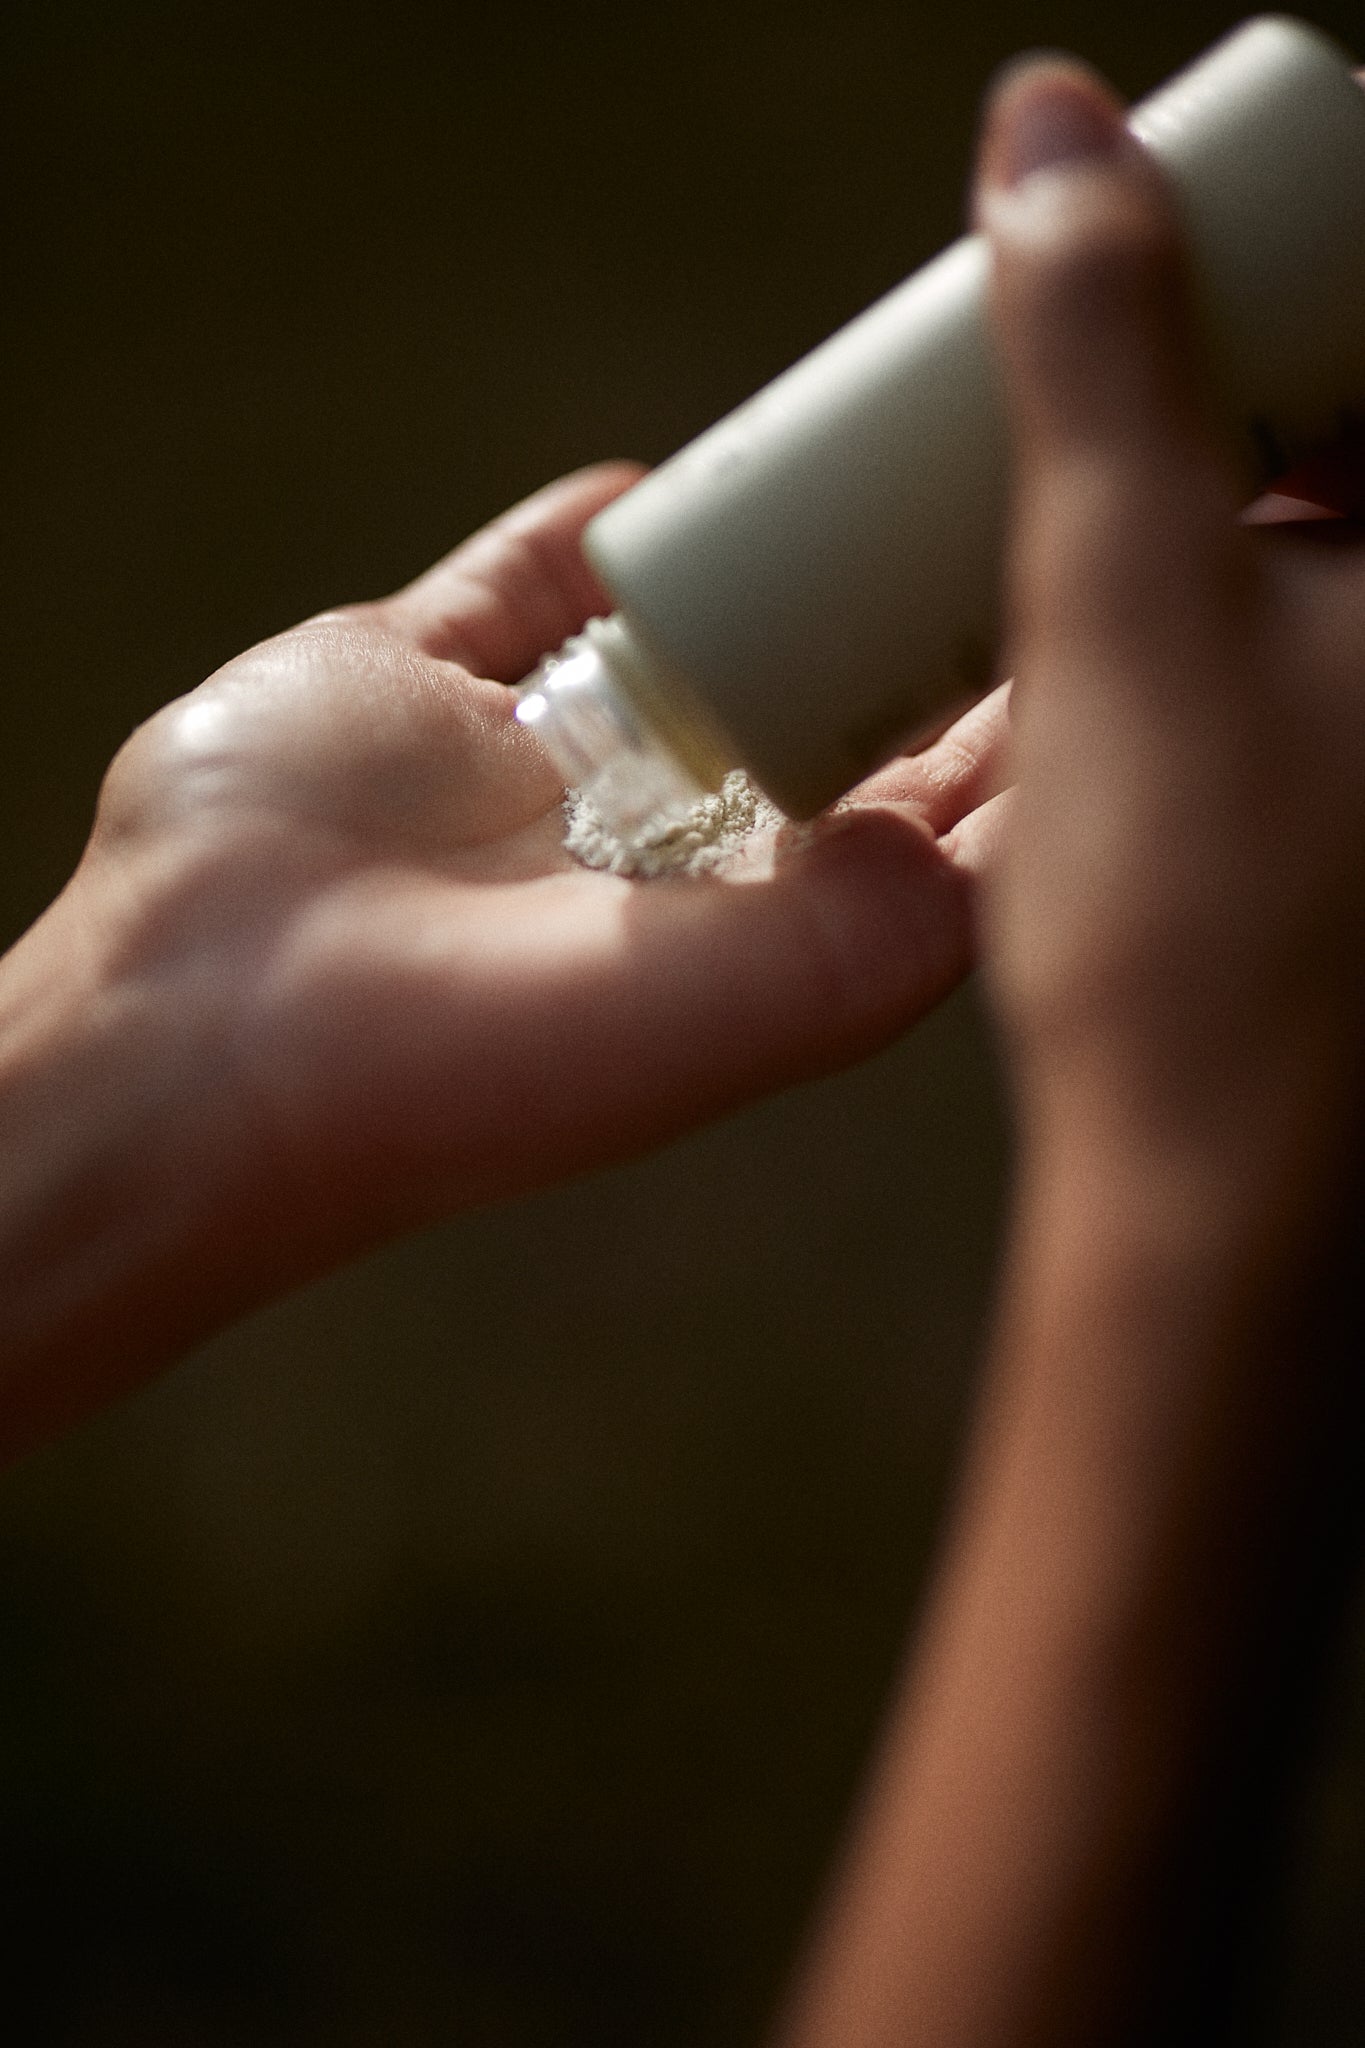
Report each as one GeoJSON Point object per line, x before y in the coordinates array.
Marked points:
{"type": "Point", "coordinates": [584, 705]}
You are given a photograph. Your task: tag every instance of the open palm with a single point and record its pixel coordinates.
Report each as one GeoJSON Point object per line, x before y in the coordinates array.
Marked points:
{"type": "Point", "coordinates": [340, 861]}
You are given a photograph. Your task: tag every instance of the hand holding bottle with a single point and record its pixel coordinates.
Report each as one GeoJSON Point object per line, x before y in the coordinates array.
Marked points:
{"type": "Point", "coordinates": [1176, 926]}
{"type": "Point", "coordinates": [1173, 930]}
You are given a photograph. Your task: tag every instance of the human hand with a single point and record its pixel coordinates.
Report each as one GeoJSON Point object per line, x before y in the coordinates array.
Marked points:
{"type": "Point", "coordinates": [326, 971]}
{"type": "Point", "coordinates": [1172, 933]}
{"type": "Point", "coordinates": [1177, 922]}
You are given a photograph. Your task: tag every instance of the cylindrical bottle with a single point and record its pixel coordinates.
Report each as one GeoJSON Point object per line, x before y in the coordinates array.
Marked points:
{"type": "Point", "coordinates": [818, 575]}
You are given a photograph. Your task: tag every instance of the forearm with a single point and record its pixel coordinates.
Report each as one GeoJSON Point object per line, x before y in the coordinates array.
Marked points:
{"type": "Point", "coordinates": [1182, 1007]}
{"type": "Point", "coordinates": [1127, 1484]}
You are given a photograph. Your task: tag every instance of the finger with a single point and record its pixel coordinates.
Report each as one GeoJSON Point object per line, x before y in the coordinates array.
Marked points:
{"type": "Point", "coordinates": [1328, 485]}
{"type": "Point", "coordinates": [1126, 489]}
{"type": "Point", "coordinates": [610, 1017]}
{"type": "Point", "coordinates": [821, 954]}
{"type": "Point", "coordinates": [517, 588]}
{"type": "Point", "coordinates": [1287, 508]}
{"type": "Point", "coordinates": [974, 842]}
{"type": "Point", "coordinates": [964, 766]}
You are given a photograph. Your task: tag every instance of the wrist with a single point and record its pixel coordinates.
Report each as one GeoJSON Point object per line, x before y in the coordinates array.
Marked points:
{"type": "Point", "coordinates": [1188, 1165]}
{"type": "Point", "coordinates": [1153, 1380]}
{"type": "Point", "coordinates": [119, 1169]}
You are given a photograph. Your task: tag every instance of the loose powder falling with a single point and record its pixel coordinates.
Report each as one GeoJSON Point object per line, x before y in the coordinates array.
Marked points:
{"type": "Point", "coordinates": [704, 837]}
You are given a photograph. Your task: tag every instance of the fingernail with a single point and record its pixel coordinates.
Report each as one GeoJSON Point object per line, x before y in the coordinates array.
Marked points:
{"type": "Point", "coordinates": [1039, 122]}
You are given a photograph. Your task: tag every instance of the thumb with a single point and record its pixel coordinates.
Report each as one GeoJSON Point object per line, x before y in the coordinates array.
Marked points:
{"type": "Point", "coordinates": [1126, 489]}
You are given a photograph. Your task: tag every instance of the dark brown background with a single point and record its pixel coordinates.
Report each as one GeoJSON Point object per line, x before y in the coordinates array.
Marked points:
{"type": "Point", "coordinates": [482, 1646]}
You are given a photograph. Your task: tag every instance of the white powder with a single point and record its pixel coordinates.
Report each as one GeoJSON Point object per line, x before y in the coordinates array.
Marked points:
{"type": "Point", "coordinates": [701, 839]}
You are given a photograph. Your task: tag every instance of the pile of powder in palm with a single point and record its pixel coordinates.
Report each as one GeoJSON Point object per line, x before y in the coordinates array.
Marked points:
{"type": "Point", "coordinates": [705, 836]}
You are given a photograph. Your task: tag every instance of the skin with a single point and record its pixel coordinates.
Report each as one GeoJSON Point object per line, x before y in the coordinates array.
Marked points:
{"type": "Point", "coordinates": [324, 971]}
{"type": "Point", "coordinates": [1173, 944]}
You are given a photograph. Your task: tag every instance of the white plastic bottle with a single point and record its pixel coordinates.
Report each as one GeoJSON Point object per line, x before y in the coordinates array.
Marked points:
{"type": "Point", "coordinates": [818, 575]}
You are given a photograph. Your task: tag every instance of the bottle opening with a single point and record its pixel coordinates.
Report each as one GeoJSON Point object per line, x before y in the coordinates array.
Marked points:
{"type": "Point", "coordinates": [599, 740]}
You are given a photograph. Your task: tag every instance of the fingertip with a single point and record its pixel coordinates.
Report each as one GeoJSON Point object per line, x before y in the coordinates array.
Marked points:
{"type": "Point", "coordinates": [571, 500]}
{"type": "Point", "coordinates": [890, 839]}
{"type": "Point", "coordinates": [1094, 309]}
{"type": "Point", "coordinates": [1065, 191]}
{"type": "Point", "coordinates": [1042, 110]}
{"type": "Point", "coordinates": [520, 585]}
{"type": "Point", "coordinates": [973, 844]}
{"type": "Point", "coordinates": [1071, 200]}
